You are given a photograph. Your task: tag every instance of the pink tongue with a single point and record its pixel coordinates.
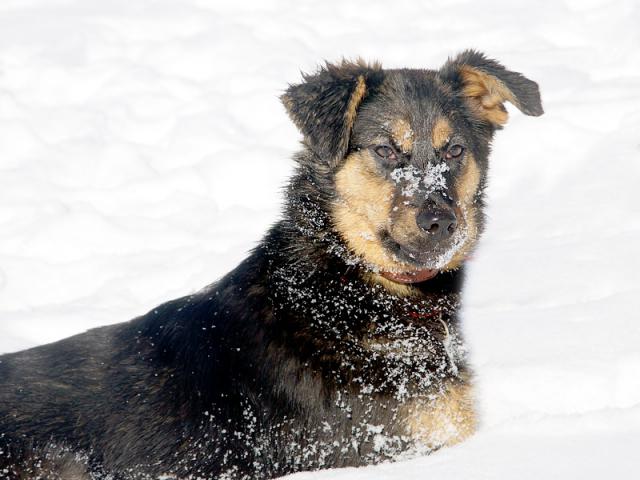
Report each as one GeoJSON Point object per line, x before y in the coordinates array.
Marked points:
{"type": "Point", "coordinates": [410, 277]}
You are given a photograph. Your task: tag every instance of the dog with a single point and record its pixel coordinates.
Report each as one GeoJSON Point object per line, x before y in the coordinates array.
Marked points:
{"type": "Point", "coordinates": [336, 343]}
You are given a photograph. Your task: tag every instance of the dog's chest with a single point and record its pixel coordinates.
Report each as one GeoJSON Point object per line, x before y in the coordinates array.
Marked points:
{"type": "Point", "coordinates": [364, 336]}
{"type": "Point", "coordinates": [394, 367]}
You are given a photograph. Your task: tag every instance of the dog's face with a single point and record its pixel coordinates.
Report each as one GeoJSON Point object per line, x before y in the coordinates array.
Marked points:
{"type": "Point", "coordinates": [407, 151]}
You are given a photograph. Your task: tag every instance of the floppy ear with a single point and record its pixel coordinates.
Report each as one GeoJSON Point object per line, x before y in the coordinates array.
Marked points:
{"type": "Point", "coordinates": [324, 105]}
{"type": "Point", "coordinates": [486, 85]}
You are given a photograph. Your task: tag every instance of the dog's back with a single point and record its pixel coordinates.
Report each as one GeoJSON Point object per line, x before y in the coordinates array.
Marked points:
{"type": "Point", "coordinates": [89, 394]}
{"type": "Point", "coordinates": [117, 396]}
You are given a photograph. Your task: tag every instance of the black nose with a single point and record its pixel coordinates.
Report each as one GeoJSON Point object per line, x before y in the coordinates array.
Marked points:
{"type": "Point", "coordinates": [439, 223]}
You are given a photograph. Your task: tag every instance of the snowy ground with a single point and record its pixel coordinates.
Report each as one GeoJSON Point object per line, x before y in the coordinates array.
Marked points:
{"type": "Point", "coordinates": [142, 149]}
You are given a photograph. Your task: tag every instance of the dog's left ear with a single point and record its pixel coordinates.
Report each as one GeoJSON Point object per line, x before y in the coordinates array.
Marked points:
{"type": "Point", "coordinates": [324, 105]}
{"type": "Point", "coordinates": [486, 85]}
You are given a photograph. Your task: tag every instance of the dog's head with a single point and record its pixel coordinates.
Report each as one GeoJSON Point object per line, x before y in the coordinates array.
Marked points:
{"type": "Point", "coordinates": [406, 154]}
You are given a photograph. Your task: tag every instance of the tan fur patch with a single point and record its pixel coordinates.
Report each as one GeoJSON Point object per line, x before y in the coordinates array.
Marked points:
{"type": "Point", "coordinates": [398, 289]}
{"type": "Point", "coordinates": [362, 210]}
{"type": "Point", "coordinates": [54, 462]}
{"type": "Point", "coordinates": [354, 102]}
{"type": "Point", "coordinates": [487, 94]}
{"type": "Point", "coordinates": [466, 188]}
{"type": "Point", "coordinates": [440, 133]}
{"type": "Point", "coordinates": [405, 227]}
{"type": "Point", "coordinates": [402, 134]}
{"type": "Point", "coordinates": [468, 182]}
{"type": "Point", "coordinates": [443, 421]}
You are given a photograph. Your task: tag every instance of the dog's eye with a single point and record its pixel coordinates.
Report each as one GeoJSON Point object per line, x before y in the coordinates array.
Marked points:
{"type": "Point", "coordinates": [386, 152]}
{"type": "Point", "coordinates": [454, 151]}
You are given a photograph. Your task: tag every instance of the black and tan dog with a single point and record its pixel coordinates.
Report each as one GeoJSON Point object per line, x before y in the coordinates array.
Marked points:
{"type": "Point", "coordinates": [335, 343]}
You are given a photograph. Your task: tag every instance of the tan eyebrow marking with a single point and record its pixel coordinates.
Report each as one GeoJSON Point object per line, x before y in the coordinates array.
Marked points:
{"type": "Point", "coordinates": [440, 133]}
{"type": "Point", "coordinates": [402, 134]}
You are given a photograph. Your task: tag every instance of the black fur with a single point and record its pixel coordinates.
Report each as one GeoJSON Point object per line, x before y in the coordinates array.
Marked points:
{"type": "Point", "coordinates": [318, 106]}
{"type": "Point", "coordinates": [270, 370]}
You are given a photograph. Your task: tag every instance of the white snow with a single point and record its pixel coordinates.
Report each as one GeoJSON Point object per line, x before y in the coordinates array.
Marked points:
{"type": "Point", "coordinates": [143, 148]}
{"type": "Point", "coordinates": [410, 178]}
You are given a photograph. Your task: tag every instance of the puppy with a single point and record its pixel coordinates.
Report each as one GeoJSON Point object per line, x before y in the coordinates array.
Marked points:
{"type": "Point", "coordinates": [335, 343]}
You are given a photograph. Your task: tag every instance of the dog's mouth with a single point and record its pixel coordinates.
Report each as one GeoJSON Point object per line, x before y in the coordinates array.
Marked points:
{"type": "Point", "coordinates": [418, 264]}
{"type": "Point", "coordinates": [416, 270]}
{"type": "Point", "coordinates": [416, 276]}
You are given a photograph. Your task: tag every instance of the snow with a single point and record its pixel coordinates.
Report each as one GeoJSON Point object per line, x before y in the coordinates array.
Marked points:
{"type": "Point", "coordinates": [411, 177]}
{"type": "Point", "coordinates": [143, 149]}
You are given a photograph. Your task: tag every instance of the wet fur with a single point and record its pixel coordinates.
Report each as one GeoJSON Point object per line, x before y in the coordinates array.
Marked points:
{"type": "Point", "coordinates": [304, 356]}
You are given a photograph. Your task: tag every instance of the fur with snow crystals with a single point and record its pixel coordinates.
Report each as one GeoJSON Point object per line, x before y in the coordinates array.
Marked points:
{"type": "Point", "coordinates": [296, 360]}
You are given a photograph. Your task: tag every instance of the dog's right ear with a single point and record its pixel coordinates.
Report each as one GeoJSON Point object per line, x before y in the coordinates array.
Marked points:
{"type": "Point", "coordinates": [324, 105]}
